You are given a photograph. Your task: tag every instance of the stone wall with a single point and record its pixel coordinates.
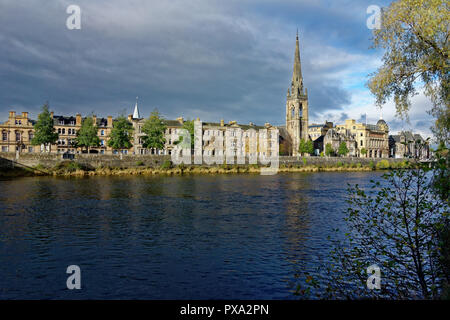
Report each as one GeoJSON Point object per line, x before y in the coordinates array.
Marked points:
{"type": "Point", "coordinates": [8, 160]}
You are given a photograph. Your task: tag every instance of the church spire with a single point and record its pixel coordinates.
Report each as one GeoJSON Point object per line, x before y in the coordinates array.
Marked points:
{"type": "Point", "coordinates": [297, 74]}
{"type": "Point", "coordinates": [136, 114]}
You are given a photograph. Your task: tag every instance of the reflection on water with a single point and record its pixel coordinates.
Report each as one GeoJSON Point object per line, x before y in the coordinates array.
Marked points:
{"type": "Point", "coordinates": [191, 237]}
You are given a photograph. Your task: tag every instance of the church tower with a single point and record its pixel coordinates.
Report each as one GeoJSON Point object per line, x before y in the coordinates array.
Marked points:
{"type": "Point", "coordinates": [297, 105]}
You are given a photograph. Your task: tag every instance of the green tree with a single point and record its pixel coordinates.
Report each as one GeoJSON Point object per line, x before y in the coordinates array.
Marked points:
{"type": "Point", "coordinates": [343, 150]}
{"type": "Point", "coordinates": [121, 134]}
{"type": "Point", "coordinates": [154, 129]}
{"type": "Point", "coordinates": [364, 151]}
{"type": "Point", "coordinates": [391, 224]}
{"type": "Point", "coordinates": [87, 135]}
{"type": "Point", "coordinates": [415, 37]}
{"type": "Point", "coordinates": [44, 131]}
{"type": "Point", "coordinates": [328, 150]}
{"type": "Point", "coordinates": [305, 146]}
{"type": "Point", "coordinates": [310, 147]}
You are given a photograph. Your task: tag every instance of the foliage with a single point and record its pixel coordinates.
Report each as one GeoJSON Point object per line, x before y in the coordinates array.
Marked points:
{"type": "Point", "coordinates": [69, 166]}
{"type": "Point", "coordinates": [304, 161]}
{"type": "Point", "coordinates": [121, 134]}
{"type": "Point", "coordinates": [167, 165]}
{"type": "Point", "coordinates": [415, 36]}
{"type": "Point", "coordinates": [383, 164]}
{"type": "Point", "coordinates": [321, 154]}
{"type": "Point", "coordinates": [87, 135]}
{"type": "Point", "coordinates": [44, 131]}
{"type": "Point", "coordinates": [329, 150]}
{"type": "Point", "coordinates": [306, 146]}
{"type": "Point", "coordinates": [154, 129]}
{"type": "Point", "coordinates": [140, 163]}
{"type": "Point", "coordinates": [399, 225]}
{"type": "Point", "coordinates": [363, 151]}
{"type": "Point", "coordinates": [343, 150]}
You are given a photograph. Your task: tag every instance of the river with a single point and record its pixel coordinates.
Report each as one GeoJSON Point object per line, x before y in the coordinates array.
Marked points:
{"type": "Point", "coordinates": [242, 236]}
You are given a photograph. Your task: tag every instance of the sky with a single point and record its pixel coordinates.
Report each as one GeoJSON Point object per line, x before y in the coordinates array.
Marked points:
{"type": "Point", "coordinates": [212, 59]}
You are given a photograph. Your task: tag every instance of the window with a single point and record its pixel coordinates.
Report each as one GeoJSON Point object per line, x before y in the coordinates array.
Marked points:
{"type": "Point", "coordinates": [72, 123]}
{"type": "Point", "coordinates": [361, 143]}
{"type": "Point", "coordinates": [59, 130]}
{"type": "Point", "coordinates": [63, 131]}
{"type": "Point", "coordinates": [102, 132]}
{"type": "Point", "coordinates": [102, 142]}
{"type": "Point", "coordinates": [4, 136]}
{"type": "Point", "coordinates": [30, 136]}
{"type": "Point", "coordinates": [30, 149]}
{"type": "Point", "coordinates": [17, 136]}
{"type": "Point", "coordinates": [4, 148]}
{"type": "Point", "coordinates": [61, 122]}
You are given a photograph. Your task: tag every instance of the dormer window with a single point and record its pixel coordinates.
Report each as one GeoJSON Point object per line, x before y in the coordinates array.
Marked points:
{"type": "Point", "coordinates": [61, 122]}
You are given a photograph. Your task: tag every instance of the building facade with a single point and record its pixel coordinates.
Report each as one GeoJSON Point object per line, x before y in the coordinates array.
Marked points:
{"type": "Point", "coordinates": [17, 133]}
{"type": "Point", "coordinates": [406, 144]}
{"type": "Point", "coordinates": [373, 139]}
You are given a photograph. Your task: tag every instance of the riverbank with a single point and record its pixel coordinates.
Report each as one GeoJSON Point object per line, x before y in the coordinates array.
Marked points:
{"type": "Point", "coordinates": [71, 168]}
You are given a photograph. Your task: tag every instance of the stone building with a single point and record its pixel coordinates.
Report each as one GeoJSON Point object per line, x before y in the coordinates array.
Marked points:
{"type": "Point", "coordinates": [374, 139]}
{"type": "Point", "coordinates": [297, 105]}
{"type": "Point", "coordinates": [336, 136]}
{"type": "Point", "coordinates": [408, 145]}
{"type": "Point", "coordinates": [67, 128]}
{"type": "Point", "coordinates": [17, 133]}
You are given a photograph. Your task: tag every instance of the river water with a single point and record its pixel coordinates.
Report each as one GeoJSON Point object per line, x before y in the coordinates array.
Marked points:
{"type": "Point", "coordinates": [184, 237]}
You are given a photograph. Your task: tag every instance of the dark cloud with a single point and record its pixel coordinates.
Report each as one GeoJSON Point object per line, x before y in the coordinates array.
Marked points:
{"type": "Point", "coordinates": [212, 59]}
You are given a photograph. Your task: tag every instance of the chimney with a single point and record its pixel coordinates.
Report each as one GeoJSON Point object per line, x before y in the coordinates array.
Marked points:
{"type": "Point", "coordinates": [94, 119]}
{"type": "Point", "coordinates": [25, 115]}
{"type": "Point", "coordinates": [110, 122]}
{"type": "Point", "coordinates": [12, 114]}
{"type": "Point", "coordinates": [180, 120]}
{"type": "Point", "coordinates": [130, 117]}
{"type": "Point", "coordinates": [51, 115]}
{"type": "Point", "coordinates": [251, 124]}
{"type": "Point", "coordinates": [222, 123]}
{"type": "Point", "coordinates": [267, 125]}
{"type": "Point", "coordinates": [78, 119]}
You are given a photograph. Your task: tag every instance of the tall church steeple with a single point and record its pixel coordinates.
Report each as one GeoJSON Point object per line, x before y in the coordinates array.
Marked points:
{"type": "Point", "coordinates": [297, 104]}
{"type": "Point", "coordinates": [297, 74]}
{"type": "Point", "coordinates": [136, 114]}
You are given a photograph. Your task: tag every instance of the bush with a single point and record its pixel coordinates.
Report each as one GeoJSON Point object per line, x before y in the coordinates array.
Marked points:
{"type": "Point", "coordinates": [339, 164]}
{"type": "Point", "coordinates": [304, 161]}
{"type": "Point", "coordinates": [322, 155]}
{"type": "Point", "coordinates": [372, 164]}
{"type": "Point", "coordinates": [359, 165]}
{"type": "Point", "coordinates": [139, 163]}
{"type": "Point", "coordinates": [69, 166]}
{"type": "Point", "coordinates": [383, 164]}
{"type": "Point", "coordinates": [167, 165]}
